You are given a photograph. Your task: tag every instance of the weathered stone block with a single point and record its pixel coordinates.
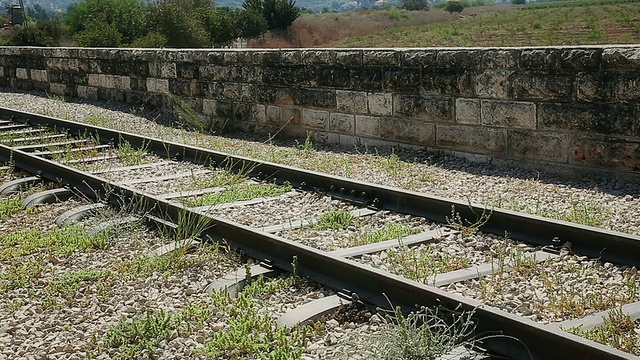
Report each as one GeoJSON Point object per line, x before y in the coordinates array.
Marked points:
{"type": "Point", "coordinates": [402, 79]}
{"type": "Point", "coordinates": [539, 145]}
{"type": "Point", "coordinates": [180, 87]}
{"type": "Point", "coordinates": [627, 88]}
{"type": "Point", "coordinates": [513, 114]}
{"type": "Point", "coordinates": [353, 102]}
{"type": "Point", "coordinates": [447, 82]}
{"type": "Point", "coordinates": [187, 70]}
{"type": "Point", "coordinates": [273, 95]}
{"type": "Point", "coordinates": [342, 123]}
{"type": "Point", "coordinates": [599, 87]}
{"type": "Point", "coordinates": [458, 59]}
{"type": "Point", "coordinates": [411, 131]}
{"type": "Point", "coordinates": [57, 89]}
{"type": "Point", "coordinates": [334, 77]}
{"type": "Point", "coordinates": [539, 59]}
{"type": "Point", "coordinates": [163, 70]}
{"type": "Point", "coordinates": [39, 75]}
{"type": "Point", "coordinates": [290, 57]}
{"type": "Point", "coordinates": [259, 113]}
{"type": "Point", "coordinates": [627, 59]}
{"type": "Point", "coordinates": [500, 59]}
{"type": "Point", "coordinates": [280, 75]}
{"type": "Point", "coordinates": [540, 86]}
{"type": "Point", "coordinates": [472, 138]}
{"type": "Point", "coordinates": [580, 59]}
{"type": "Point", "coordinates": [494, 84]}
{"type": "Point", "coordinates": [606, 119]}
{"type": "Point", "coordinates": [418, 58]}
{"type": "Point", "coordinates": [290, 115]}
{"type": "Point", "coordinates": [367, 79]}
{"type": "Point", "coordinates": [318, 57]}
{"type": "Point", "coordinates": [87, 92]}
{"type": "Point", "coordinates": [348, 57]}
{"type": "Point", "coordinates": [22, 73]}
{"type": "Point", "coordinates": [157, 85]}
{"type": "Point", "coordinates": [468, 111]}
{"type": "Point", "coordinates": [382, 58]}
{"type": "Point", "coordinates": [315, 119]}
{"type": "Point", "coordinates": [380, 103]}
{"type": "Point", "coordinates": [367, 126]}
{"type": "Point", "coordinates": [315, 97]}
{"type": "Point", "coordinates": [621, 154]}
{"type": "Point", "coordinates": [232, 91]}
{"type": "Point", "coordinates": [430, 109]}
{"type": "Point", "coordinates": [272, 115]}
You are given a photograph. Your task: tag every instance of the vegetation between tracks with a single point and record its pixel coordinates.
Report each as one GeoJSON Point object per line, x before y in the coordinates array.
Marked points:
{"type": "Point", "coordinates": [619, 331]}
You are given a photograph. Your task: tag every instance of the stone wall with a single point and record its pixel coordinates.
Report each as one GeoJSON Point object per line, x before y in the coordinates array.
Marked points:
{"type": "Point", "coordinates": [575, 106]}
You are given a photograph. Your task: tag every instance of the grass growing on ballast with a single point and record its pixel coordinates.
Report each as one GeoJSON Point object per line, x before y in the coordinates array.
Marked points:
{"type": "Point", "coordinates": [9, 207]}
{"type": "Point", "coordinates": [388, 232]}
{"type": "Point", "coordinates": [238, 193]}
{"type": "Point", "coordinates": [619, 331]}
{"type": "Point", "coordinates": [338, 219]}
{"type": "Point", "coordinates": [420, 264]}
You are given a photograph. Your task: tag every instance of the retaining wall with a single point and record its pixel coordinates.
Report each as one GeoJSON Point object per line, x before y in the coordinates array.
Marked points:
{"type": "Point", "coordinates": [575, 106]}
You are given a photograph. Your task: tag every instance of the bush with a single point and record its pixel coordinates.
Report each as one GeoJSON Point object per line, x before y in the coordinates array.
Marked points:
{"type": "Point", "coordinates": [45, 33]}
{"type": "Point", "coordinates": [415, 5]}
{"type": "Point", "coordinates": [279, 14]}
{"type": "Point", "coordinates": [151, 40]}
{"type": "Point", "coordinates": [519, 2]}
{"type": "Point", "coordinates": [99, 34]}
{"type": "Point", "coordinates": [250, 23]}
{"type": "Point", "coordinates": [454, 6]}
{"type": "Point", "coordinates": [123, 16]}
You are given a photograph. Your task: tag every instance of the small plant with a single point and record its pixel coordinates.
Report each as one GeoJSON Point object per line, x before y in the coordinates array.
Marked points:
{"type": "Point", "coordinates": [390, 231]}
{"type": "Point", "coordinates": [466, 227]}
{"type": "Point", "coordinates": [619, 331]}
{"type": "Point", "coordinates": [238, 193]}
{"type": "Point", "coordinates": [425, 334]}
{"type": "Point", "coordinates": [307, 146]}
{"type": "Point", "coordinates": [420, 264]}
{"type": "Point", "coordinates": [338, 219]}
{"type": "Point", "coordinates": [142, 335]}
{"type": "Point", "coordinates": [129, 155]}
{"type": "Point", "coordinates": [9, 207]}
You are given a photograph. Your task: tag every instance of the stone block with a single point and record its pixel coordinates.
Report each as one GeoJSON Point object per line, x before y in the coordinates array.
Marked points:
{"type": "Point", "coordinates": [458, 59]}
{"type": "Point", "coordinates": [627, 88]}
{"type": "Point", "coordinates": [402, 79]}
{"type": "Point", "coordinates": [352, 102]}
{"type": "Point", "coordinates": [22, 73]}
{"type": "Point", "coordinates": [447, 82]}
{"type": "Point", "coordinates": [598, 87]}
{"type": "Point", "coordinates": [468, 111]}
{"type": "Point", "coordinates": [348, 57]}
{"type": "Point", "coordinates": [493, 84]}
{"type": "Point", "coordinates": [371, 79]}
{"type": "Point", "coordinates": [232, 91]}
{"type": "Point", "coordinates": [208, 106]}
{"type": "Point", "coordinates": [617, 153]}
{"type": "Point", "coordinates": [290, 57]}
{"type": "Point", "coordinates": [500, 59]}
{"type": "Point", "coordinates": [540, 59]}
{"type": "Point", "coordinates": [512, 114]}
{"type": "Point", "coordinates": [470, 138]}
{"type": "Point", "coordinates": [259, 113]}
{"type": "Point", "coordinates": [334, 77]}
{"type": "Point", "coordinates": [410, 131]}
{"type": "Point", "coordinates": [318, 57]}
{"type": "Point", "coordinates": [380, 103]}
{"type": "Point", "coordinates": [342, 123]}
{"type": "Point", "coordinates": [367, 126]}
{"type": "Point", "coordinates": [290, 116]}
{"type": "Point", "coordinates": [627, 59]}
{"type": "Point", "coordinates": [605, 119]}
{"type": "Point", "coordinates": [541, 86]}
{"type": "Point", "coordinates": [87, 92]}
{"type": "Point", "coordinates": [437, 109]}
{"type": "Point", "coordinates": [549, 146]}
{"type": "Point", "coordinates": [318, 98]}
{"type": "Point", "coordinates": [58, 89]}
{"type": "Point", "coordinates": [272, 115]}
{"type": "Point", "coordinates": [315, 119]}
{"type": "Point", "coordinates": [418, 58]}
{"type": "Point", "coordinates": [273, 95]}
{"type": "Point", "coordinates": [186, 70]}
{"type": "Point", "coordinates": [580, 59]}
{"type": "Point", "coordinates": [381, 58]}
{"type": "Point", "coordinates": [39, 75]}
{"type": "Point", "coordinates": [158, 85]}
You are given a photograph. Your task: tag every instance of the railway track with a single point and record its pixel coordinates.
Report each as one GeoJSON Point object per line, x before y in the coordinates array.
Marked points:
{"type": "Point", "coordinates": [55, 149]}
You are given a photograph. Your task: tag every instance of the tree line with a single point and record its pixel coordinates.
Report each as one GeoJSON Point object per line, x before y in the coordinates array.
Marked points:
{"type": "Point", "coordinates": [157, 23]}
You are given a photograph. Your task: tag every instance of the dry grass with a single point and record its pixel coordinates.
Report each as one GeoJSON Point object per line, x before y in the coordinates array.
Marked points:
{"type": "Point", "coordinates": [327, 30]}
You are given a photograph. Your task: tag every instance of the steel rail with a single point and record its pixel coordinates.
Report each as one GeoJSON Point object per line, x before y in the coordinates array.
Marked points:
{"type": "Point", "coordinates": [590, 241]}
{"type": "Point", "coordinates": [515, 337]}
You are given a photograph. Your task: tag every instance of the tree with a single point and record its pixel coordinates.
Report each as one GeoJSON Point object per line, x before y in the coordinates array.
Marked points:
{"type": "Point", "coordinates": [180, 22]}
{"type": "Point", "coordinates": [121, 16]}
{"type": "Point", "coordinates": [250, 23]}
{"type": "Point", "coordinates": [279, 14]}
{"type": "Point", "coordinates": [454, 6]}
{"type": "Point", "coordinates": [519, 2]}
{"type": "Point", "coordinates": [415, 5]}
{"type": "Point", "coordinates": [99, 34]}
{"type": "Point", "coordinates": [38, 12]}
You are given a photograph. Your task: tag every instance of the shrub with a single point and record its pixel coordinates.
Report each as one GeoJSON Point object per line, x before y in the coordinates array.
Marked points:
{"type": "Point", "coordinates": [99, 34]}
{"type": "Point", "coordinates": [151, 40]}
{"type": "Point", "coordinates": [519, 2]}
{"type": "Point", "coordinates": [454, 6]}
{"type": "Point", "coordinates": [415, 5]}
{"type": "Point", "coordinates": [45, 33]}
{"type": "Point", "coordinates": [279, 14]}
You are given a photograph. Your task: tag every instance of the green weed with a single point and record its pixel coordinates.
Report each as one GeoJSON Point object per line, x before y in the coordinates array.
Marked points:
{"type": "Point", "coordinates": [338, 219]}
{"type": "Point", "coordinates": [388, 232]}
{"type": "Point", "coordinates": [238, 193]}
{"type": "Point", "coordinates": [619, 331]}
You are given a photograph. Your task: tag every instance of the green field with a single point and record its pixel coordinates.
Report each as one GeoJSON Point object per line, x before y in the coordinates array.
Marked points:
{"type": "Point", "coordinates": [550, 23]}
